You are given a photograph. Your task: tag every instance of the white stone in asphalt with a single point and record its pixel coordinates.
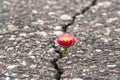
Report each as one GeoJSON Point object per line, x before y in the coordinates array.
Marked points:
{"type": "Point", "coordinates": [66, 17]}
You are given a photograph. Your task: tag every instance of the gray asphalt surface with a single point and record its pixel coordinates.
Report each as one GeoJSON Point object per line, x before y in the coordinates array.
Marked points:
{"type": "Point", "coordinates": [28, 29]}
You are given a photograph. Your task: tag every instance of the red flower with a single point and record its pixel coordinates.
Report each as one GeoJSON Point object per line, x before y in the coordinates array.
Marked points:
{"type": "Point", "coordinates": [65, 40]}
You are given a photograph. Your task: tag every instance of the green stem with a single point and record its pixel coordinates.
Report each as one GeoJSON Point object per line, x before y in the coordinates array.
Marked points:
{"type": "Point", "coordinates": [64, 52]}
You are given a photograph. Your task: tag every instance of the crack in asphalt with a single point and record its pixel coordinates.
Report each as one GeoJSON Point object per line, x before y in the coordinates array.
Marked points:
{"type": "Point", "coordinates": [64, 29]}
{"type": "Point", "coordinates": [58, 76]}
{"type": "Point", "coordinates": [54, 62]}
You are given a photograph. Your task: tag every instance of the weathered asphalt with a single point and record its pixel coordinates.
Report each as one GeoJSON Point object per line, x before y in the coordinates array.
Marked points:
{"type": "Point", "coordinates": [28, 29]}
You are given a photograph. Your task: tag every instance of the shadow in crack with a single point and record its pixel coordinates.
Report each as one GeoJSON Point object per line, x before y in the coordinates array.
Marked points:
{"type": "Point", "coordinates": [64, 27]}
{"type": "Point", "coordinates": [58, 76]}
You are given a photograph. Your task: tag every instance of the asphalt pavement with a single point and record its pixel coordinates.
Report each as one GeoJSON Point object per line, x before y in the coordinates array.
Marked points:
{"type": "Point", "coordinates": [28, 29]}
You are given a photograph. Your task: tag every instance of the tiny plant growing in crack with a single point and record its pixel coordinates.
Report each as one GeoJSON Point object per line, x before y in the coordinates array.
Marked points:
{"type": "Point", "coordinates": [65, 40]}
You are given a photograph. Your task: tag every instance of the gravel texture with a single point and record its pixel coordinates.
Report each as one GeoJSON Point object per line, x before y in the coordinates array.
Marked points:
{"type": "Point", "coordinates": [96, 55]}
{"type": "Point", "coordinates": [34, 14]}
{"type": "Point", "coordinates": [27, 29]}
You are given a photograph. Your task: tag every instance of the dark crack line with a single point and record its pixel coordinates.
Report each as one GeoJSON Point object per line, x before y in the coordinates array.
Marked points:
{"type": "Point", "coordinates": [64, 27]}
{"type": "Point", "coordinates": [54, 62]}
{"type": "Point", "coordinates": [58, 76]}
{"type": "Point", "coordinates": [87, 8]}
